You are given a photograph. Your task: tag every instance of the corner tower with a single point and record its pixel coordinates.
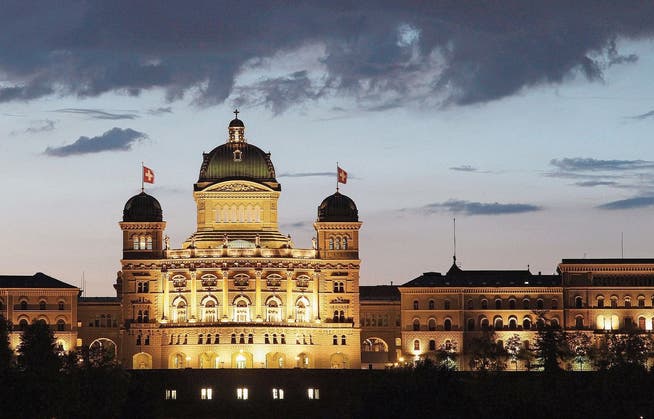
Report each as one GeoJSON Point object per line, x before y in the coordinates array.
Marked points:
{"type": "Point", "coordinates": [142, 228]}
{"type": "Point", "coordinates": [337, 228]}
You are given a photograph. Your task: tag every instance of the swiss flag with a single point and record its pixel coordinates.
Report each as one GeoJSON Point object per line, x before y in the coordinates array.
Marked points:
{"type": "Point", "coordinates": [148, 175]}
{"type": "Point", "coordinates": [342, 175]}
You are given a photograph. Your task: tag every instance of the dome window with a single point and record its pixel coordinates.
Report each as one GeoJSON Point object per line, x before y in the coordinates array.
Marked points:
{"type": "Point", "coordinates": [238, 155]}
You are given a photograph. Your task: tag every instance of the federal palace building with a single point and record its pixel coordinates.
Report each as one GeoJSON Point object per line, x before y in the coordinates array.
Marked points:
{"type": "Point", "coordinates": [239, 294]}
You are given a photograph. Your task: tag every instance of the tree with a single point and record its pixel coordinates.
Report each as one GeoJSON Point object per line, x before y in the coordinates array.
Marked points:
{"type": "Point", "coordinates": [513, 349]}
{"type": "Point", "coordinates": [446, 356]}
{"type": "Point", "coordinates": [486, 354]}
{"type": "Point", "coordinates": [627, 349]}
{"type": "Point", "coordinates": [581, 348]}
{"type": "Point", "coordinates": [550, 348]}
{"type": "Point", "coordinates": [37, 351]}
{"type": "Point", "coordinates": [6, 353]}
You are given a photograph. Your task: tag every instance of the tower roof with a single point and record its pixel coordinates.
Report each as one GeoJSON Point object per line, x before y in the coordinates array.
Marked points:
{"type": "Point", "coordinates": [142, 208]}
{"type": "Point", "coordinates": [338, 207]}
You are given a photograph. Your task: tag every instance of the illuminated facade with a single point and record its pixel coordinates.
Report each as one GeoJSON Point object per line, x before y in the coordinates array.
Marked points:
{"type": "Point", "coordinates": [238, 293]}
{"type": "Point", "coordinates": [39, 297]}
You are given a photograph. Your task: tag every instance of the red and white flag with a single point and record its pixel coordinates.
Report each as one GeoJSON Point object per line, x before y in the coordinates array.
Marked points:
{"type": "Point", "coordinates": [342, 175]}
{"type": "Point", "coordinates": [148, 175]}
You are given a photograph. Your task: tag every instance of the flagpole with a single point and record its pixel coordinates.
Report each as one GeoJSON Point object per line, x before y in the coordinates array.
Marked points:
{"type": "Point", "coordinates": [336, 176]}
{"type": "Point", "coordinates": [142, 180]}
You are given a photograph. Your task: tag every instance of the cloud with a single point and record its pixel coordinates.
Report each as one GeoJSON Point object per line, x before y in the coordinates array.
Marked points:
{"type": "Point", "coordinates": [578, 164]}
{"type": "Point", "coordinates": [310, 174]}
{"type": "Point", "coordinates": [99, 113]}
{"type": "Point", "coordinates": [593, 183]}
{"type": "Point", "coordinates": [464, 168]}
{"type": "Point", "coordinates": [297, 225]}
{"type": "Point", "coordinates": [630, 203]}
{"type": "Point", "coordinates": [478, 208]}
{"type": "Point", "coordinates": [116, 139]}
{"type": "Point", "coordinates": [43, 125]}
{"type": "Point", "coordinates": [645, 115]}
{"type": "Point", "coordinates": [160, 111]}
{"type": "Point", "coordinates": [381, 53]}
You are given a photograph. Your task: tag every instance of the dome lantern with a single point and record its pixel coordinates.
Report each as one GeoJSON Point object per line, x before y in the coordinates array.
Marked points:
{"type": "Point", "coordinates": [236, 130]}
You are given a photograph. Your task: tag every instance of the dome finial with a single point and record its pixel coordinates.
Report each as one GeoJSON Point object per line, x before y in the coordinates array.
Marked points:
{"type": "Point", "coordinates": [236, 129]}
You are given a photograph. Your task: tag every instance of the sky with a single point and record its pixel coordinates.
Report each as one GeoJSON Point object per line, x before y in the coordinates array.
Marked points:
{"type": "Point", "coordinates": [529, 122]}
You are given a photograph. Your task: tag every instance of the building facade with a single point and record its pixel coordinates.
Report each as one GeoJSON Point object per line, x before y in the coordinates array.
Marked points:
{"type": "Point", "coordinates": [239, 293]}
{"type": "Point", "coordinates": [25, 299]}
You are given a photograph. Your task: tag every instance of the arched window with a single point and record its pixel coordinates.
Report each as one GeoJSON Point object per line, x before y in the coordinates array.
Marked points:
{"type": "Point", "coordinates": [139, 316]}
{"type": "Point", "coordinates": [273, 310]}
{"type": "Point", "coordinates": [148, 242]}
{"type": "Point", "coordinates": [498, 304]}
{"type": "Point", "coordinates": [334, 340]}
{"type": "Point", "coordinates": [498, 324]}
{"type": "Point", "coordinates": [432, 305]}
{"type": "Point", "coordinates": [641, 301]}
{"type": "Point", "coordinates": [431, 325]}
{"type": "Point", "coordinates": [241, 310]}
{"type": "Point", "coordinates": [142, 242]}
{"type": "Point", "coordinates": [432, 345]}
{"type": "Point", "coordinates": [470, 305]}
{"type": "Point", "coordinates": [60, 306]}
{"type": "Point", "coordinates": [579, 322]}
{"type": "Point", "coordinates": [344, 246]}
{"type": "Point", "coordinates": [302, 310]}
{"type": "Point", "coordinates": [627, 302]}
{"type": "Point", "coordinates": [61, 325]}
{"type": "Point", "coordinates": [526, 323]}
{"type": "Point", "coordinates": [614, 301]}
{"type": "Point", "coordinates": [22, 324]}
{"type": "Point", "coordinates": [513, 323]}
{"type": "Point", "coordinates": [209, 310]}
{"type": "Point", "coordinates": [554, 323]}
{"type": "Point", "coordinates": [641, 323]}
{"type": "Point", "coordinates": [446, 304]}
{"type": "Point", "coordinates": [416, 305]}
{"type": "Point", "coordinates": [471, 324]}
{"type": "Point", "coordinates": [41, 305]}
{"type": "Point", "coordinates": [600, 302]}
{"type": "Point", "coordinates": [241, 338]}
{"type": "Point", "coordinates": [135, 241]}
{"type": "Point", "coordinates": [416, 345]}
{"type": "Point", "coordinates": [483, 323]}
{"type": "Point", "coordinates": [331, 243]}
{"type": "Point", "coordinates": [447, 324]}
{"type": "Point", "coordinates": [578, 302]}
{"type": "Point", "coordinates": [179, 310]}
{"type": "Point", "coordinates": [343, 340]}
{"type": "Point", "coordinates": [200, 336]}
{"type": "Point", "coordinates": [250, 338]}
{"type": "Point", "coordinates": [601, 322]}
{"type": "Point", "coordinates": [484, 304]}
{"type": "Point", "coordinates": [539, 304]}
{"type": "Point", "coordinates": [512, 304]}
{"type": "Point", "coordinates": [416, 324]}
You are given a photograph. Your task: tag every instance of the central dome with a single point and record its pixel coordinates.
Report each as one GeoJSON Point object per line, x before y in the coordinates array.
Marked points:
{"type": "Point", "coordinates": [237, 160]}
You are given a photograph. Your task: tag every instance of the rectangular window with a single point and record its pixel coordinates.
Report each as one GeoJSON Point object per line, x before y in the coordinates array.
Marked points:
{"type": "Point", "coordinates": [171, 394]}
{"type": "Point", "coordinates": [278, 393]}
{"type": "Point", "coordinates": [242, 393]}
{"type": "Point", "coordinates": [398, 342]}
{"type": "Point", "coordinates": [313, 393]}
{"type": "Point", "coordinates": [206, 393]}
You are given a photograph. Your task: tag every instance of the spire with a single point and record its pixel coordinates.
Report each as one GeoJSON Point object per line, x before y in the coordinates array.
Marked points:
{"type": "Point", "coordinates": [236, 129]}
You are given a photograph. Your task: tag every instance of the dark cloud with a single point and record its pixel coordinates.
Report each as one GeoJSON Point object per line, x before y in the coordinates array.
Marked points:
{"type": "Point", "coordinates": [310, 174]}
{"type": "Point", "coordinates": [645, 115]}
{"type": "Point", "coordinates": [593, 183]}
{"type": "Point", "coordinates": [99, 113]}
{"type": "Point", "coordinates": [478, 208]}
{"type": "Point", "coordinates": [464, 168]}
{"type": "Point", "coordinates": [44, 125]}
{"type": "Point", "coordinates": [297, 224]}
{"type": "Point", "coordinates": [116, 139]}
{"type": "Point", "coordinates": [578, 164]}
{"type": "Point", "coordinates": [381, 53]}
{"type": "Point", "coordinates": [636, 202]}
{"type": "Point", "coordinates": [160, 111]}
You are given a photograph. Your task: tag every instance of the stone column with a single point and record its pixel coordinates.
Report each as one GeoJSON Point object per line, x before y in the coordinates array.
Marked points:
{"type": "Point", "coordinates": [226, 312]}
{"type": "Point", "coordinates": [166, 298]}
{"type": "Point", "coordinates": [257, 295]}
{"type": "Point", "coordinates": [289, 295]}
{"type": "Point", "coordinates": [194, 296]}
{"type": "Point", "coordinates": [316, 297]}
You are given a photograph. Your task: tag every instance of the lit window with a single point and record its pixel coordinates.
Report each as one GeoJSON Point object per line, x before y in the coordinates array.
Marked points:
{"type": "Point", "coordinates": [206, 393]}
{"type": "Point", "coordinates": [171, 394]}
{"type": "Point", "coordinates": [313, 393]}
{"type": "Point", "coordinates": [278, 393]}
{"type": "Point", "coordinates": [242, 393]}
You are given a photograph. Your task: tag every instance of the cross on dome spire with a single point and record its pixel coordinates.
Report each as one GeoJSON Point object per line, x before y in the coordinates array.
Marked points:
{"type": "Point", "coordinates": [236, 112]}
{"type": "Point", "coordinates": [236, 129]}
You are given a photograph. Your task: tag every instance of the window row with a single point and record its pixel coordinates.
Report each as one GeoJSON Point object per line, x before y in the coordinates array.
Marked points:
{"type": "Point", "coordinates": [431, 324]}
{"type": "Point", "coordinates": [338, 243]}
{"type": "Point", "coordinates": [241, 280]}
{"type": "Point", "coordinates": [612, 322]}
{"type": "Point", "coordinates": [431, 305]}
{"type": "Point", "coordinates": [614, 301]}
{"type": "Point", "coordinates": [380, 320]}
{"type": "Point", "coordinates": [59, 326]}
{"type": "Point", "coordinates": [339, 286]}
{"type": "Point", "coordinates": [103, 320]}
{"type": "Point", "coordinates": [142, 242]}
{"type": "Point", "coordinates": [238, 214]}
{"type": "Point", "coordinates": [243, 393]}
{"type": "Point", "coordinates": [241, 310]}
{"type": "Point", "coordinates": [242, 338]}
{"type": "Point", "coordinates": [43, 305]}
{"type": "Point", "coordinates": [484, 323]}
{"type": "Point", "coordinates": [448, 345]}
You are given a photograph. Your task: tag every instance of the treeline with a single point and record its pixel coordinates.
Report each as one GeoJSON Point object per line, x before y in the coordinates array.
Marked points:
{"type": "Point", "coordinates": [39, 381]}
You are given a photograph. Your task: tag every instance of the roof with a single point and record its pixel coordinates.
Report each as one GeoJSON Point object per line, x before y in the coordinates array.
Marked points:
{"type": "Point", "coordinates": [607, 261]}
{"type": "Point", "coordinates": [38, 280]}
{"type": "Point", "coordinates": [483, 278]}
{"type": "Point", "coordinates": [379, 292]}
{"type": "Point", "coordinates": [338, 207]}
{"type": "Point", "coordinates": [98, 300]}
{"type": "Point", "coordinates": [142, 208]}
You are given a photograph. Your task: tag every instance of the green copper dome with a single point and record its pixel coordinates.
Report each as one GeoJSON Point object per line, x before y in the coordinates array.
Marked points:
{"type": "Point", "coordinates": [237, 160]}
